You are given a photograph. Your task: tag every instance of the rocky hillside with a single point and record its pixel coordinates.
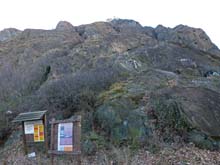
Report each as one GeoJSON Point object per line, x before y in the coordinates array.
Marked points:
{"type": "Point", "coordinates": [133, 85]}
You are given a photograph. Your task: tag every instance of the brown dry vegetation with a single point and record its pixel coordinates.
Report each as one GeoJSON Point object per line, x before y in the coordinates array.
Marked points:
{"type": "Point", "coordinates": [173, 155]}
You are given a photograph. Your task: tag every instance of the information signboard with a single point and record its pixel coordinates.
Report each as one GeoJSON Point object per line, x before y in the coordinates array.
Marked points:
{"type": "Point", "coordinates": [65, 137]}
{"type": "Point", "coordinates": [34, 126]}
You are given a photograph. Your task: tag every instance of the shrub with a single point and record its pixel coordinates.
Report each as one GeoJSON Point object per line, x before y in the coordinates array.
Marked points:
{"type": "Point", "coordinates": [169, 119]}
{"type": "Point", "coordinates": [72, 93]}
{"type": "Point", "coordinates": [4, 127]}
{"type": "Point", "coordinates": [17, 83]}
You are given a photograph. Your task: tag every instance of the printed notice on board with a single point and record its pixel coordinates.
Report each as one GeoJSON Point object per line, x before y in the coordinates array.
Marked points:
{"type": "Point", "coordinates": [38, 133]}
{"type": "Point", "coordinates": [65, 137]}
{"type": "Point", "coordinates": [29, 126]}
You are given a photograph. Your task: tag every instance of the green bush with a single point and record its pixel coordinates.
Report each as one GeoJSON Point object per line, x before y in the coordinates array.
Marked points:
{"type": "Point", "coordinates": [93, 142]}
{"type": "Point", "coordinates": [169, 118]}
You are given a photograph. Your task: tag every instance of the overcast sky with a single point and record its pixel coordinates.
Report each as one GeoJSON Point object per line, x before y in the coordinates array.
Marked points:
{"type": "Point", "coordinates": [45, 14]}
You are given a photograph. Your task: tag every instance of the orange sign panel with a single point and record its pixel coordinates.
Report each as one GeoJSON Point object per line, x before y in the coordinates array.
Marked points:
{"type": "Point", "coordinates": [38, 133]}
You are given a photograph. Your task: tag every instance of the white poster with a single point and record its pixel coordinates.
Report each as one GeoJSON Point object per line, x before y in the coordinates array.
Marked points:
{"type": "Point", "coordinates": [29, 126]}
{"type": "Point", "coordinates": [65, 137]}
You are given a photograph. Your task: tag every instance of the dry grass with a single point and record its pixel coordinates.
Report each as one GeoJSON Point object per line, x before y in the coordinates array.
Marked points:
{"type": "Point", "coordinates": [185, 155]}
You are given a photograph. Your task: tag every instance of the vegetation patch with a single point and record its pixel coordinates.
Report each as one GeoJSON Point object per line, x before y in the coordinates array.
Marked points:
{"type": "Point", "coordinates": [115, 91]}
{"type": "Point", "coordinates": [169, 119]}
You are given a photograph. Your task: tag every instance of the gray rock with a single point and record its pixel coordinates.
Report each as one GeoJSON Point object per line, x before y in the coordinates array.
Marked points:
{"type": "Point", "coordinates": [65, 26]}
{"type": "Point", "coordinates": [7, 34]}
{"type": "Point", "coordinates": [186, 36]}
{"type": "Point", "coordinates": [201, 107]}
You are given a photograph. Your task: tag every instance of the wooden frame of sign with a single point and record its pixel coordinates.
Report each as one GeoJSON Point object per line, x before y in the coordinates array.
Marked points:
{"type": "Point", "coordinates": [34, 128]}
{"type": "Point", "coordinates": [65, 138]}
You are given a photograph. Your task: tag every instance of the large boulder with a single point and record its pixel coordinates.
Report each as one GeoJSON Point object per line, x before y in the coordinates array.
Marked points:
{"type": "Point", "coordinates": [8, 33]}
{"type": "Point", "coordinates": [122, 123]}
{"type": "Point", "coordinates": [64, 26]}
{"type": "Point", "coordinates": [120, 117]}
{"type": "Point", "coordinates": [200, 106]}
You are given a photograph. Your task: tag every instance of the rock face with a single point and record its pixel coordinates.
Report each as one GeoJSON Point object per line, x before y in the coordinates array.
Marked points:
{"type": "Point", "coordinates": [64, 26]}
{"type": "Point", "coordinates": [8, 33]}
{"type": "Point", "coordinates": [185, 36]}
{"type": "Point", "coordinates": [201, 106]}
{"type": "Point", "coordinates": [120, 65]}
{"type": "Point", "coordinates": [205, 103]}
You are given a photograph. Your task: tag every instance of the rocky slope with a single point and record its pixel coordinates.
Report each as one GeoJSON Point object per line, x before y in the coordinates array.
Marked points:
{"type": "Point", "coordinates": [130, 83]}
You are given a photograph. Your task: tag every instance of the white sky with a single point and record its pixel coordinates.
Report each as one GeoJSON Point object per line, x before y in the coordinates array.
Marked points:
{"type": "Point", "coordinates": [45, 14]}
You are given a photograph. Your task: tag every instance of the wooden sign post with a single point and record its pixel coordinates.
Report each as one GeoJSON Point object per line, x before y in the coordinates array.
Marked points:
{"type": "Point", "coordinates": [65, 138]}
{"type": "Point", "coordinates": [34, 128]}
